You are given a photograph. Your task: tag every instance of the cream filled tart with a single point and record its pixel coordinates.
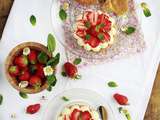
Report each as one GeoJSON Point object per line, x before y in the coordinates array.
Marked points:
{"type": "Point", "coordinates": [94, 31]}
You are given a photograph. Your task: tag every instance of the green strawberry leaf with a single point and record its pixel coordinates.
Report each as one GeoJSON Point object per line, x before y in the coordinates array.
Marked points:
{"type": "Point", "coordinates": [54, 83]}
{"type": "Point", "coordinates": [65, 99]}
{"type": "Point", "coordinates": [128, 30]}
{"type": "Point", "coordinates": [62, 14]}
{"type": "Point", "coordinates": [23, 95]}
{"type": "Point", "coordinates": [42, 57]}
{"type": "Point", "coordinates": [77, 61]}
{"type": "Point", "coordinates": [88, 24]}
{"type": "Point", "coordinates": [63, 74]}
{"type": "Point", "coordinates": [32, 69]}
{"type": "Point", "coordinates": [100, 36]}
{"type": "Point", "coordinates": [112, 84]}
{"type": "Point", "coordinates": [88, 37]}
{"type": "Point", "coordinates": [51, 79]}
{"type": "Point", "coordinates": [49, 88]}
{"type": "Point", "coordinates": [54, 61]}
{"type": "Point", "coordinates": [146, 10]}
{"type": "Point", "coordinates": [51, 43]}
{"type": "Point", "coordinates": [1, 99]}
{"type": "Point", "coordinates": [33, 20]}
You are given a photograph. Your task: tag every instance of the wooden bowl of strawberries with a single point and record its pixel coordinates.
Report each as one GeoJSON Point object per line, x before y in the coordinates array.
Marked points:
{"type": "Point", "coordinates": [28, 67]}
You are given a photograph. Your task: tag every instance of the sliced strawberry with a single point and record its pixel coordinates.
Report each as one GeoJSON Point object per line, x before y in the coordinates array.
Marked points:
{"type": "Point", "coordinates": [101, 18]}
{"type": "Point", "coordinates": [93, 31]}
{"type": "Point", "coordinates": [75, 114]}
{"type": "Point", "coordinates": [35, 81]}
{"type": "Point", "coordinates": [21, 61]}
{"type": "Point", "coordinates": [88, 15]}
{"type": "Point", "coordinates": [24, 76]}
{"type": "Point", "coordinates": [93, 41]}
{"type": "Point", "coordinates": [40, 71]}
{"type": "Point", "coordinates": [106, 36]}
{"type": "Point", "coordinates": [85, 116]}
{"type": "Point", "coordinates": [32, 109]}
{"type": "Point", "coordinates": [107, 26]}
{"type": "Point", "coordinates": [80, 32]}
{"type": "Point", "coordinates": [32, 57]}
{"type": "Point", "coordinates": [13, 71]}
{"type": "Point", "coordinates": [70, 69]}
{"type": "Point", "coordinates": [121, 99]}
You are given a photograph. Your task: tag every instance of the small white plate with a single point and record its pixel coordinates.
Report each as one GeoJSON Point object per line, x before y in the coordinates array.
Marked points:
{"type": "Point", "coordinates": [76, 95]}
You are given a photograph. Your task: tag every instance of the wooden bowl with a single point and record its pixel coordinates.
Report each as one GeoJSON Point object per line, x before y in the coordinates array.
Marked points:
{"type": "Point", "coordinates": [9, 61]}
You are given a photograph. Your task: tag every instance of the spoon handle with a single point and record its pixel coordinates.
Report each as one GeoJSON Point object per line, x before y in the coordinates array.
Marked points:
{"type": "Point", "coordinates": [103, 112]}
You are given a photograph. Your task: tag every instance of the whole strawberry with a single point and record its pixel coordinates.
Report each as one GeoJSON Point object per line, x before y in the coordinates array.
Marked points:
{"type": "Point", "coordinates": [24, 76]}
{"type": "Point", "coordinates": [32, 57]}
{"type": "Point", "coordinates": [14, 71]}
{"type": "Point", "coordinates": [70, 69]}
{"type": "Point", "coordinates": [21, 61]}
{"type": "Point", "coordinates": [40, 71]}
{"type": "Point", "coordinates": [35, 81]}
{"type": "Point", "coordinates": [31, 109]}
{"type": "Point", "coordinates": [121, 99]}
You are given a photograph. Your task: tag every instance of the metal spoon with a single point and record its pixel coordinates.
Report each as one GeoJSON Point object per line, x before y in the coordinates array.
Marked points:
{"type": "Point", "coordinates": [103, 112]}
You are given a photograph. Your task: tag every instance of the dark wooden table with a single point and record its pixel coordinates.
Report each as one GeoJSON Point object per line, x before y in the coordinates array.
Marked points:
{"type": "Point", "coordinates": [153, 111]}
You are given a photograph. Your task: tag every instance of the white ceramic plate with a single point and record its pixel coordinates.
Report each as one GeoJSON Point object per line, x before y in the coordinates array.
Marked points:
{"type": "Point", "coordinates": [76, 95]}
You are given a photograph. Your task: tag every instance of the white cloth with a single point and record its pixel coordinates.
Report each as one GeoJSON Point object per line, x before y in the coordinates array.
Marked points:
{"type": "Point", "coordinates": [135, 75]}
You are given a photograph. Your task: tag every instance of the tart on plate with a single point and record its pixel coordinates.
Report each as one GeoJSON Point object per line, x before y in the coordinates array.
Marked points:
{"type": "Point", "coordinates": [78, 111]}
{"type": "Point", "coordinates": [26, 69]}
{"type": "Point", "coordinates": [94, 30]}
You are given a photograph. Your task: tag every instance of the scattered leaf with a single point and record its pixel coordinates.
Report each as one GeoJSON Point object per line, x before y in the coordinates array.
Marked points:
{"type": "Point", "coordinates": [51, 43]}
{"type": "Point", "coordinates": [1, 99]}
{"type": "Point", "coordinates": [112, 84]}
{"type": "Point", "coordinates": [77, 61]}
{"type": "Point", "coordinates": [23, 95]}
{"type": "Point", "coordinates": [146, 10]}
{"type": "Point", "coordinates": [62, 14]}
{"type": "Point", "coordinates": [51, 79]}
{"type": "Point", "coordinates": [128, 30]}
{"type": "Point", "coordinates": [65, 98]}
{"type": "Point", "coordinates": [42, 57]}
{"type": "Point", "coordinates": [33, 20]}
{"type": "Point", "coordinates": [54, 61]}
{"type": "Point", "coordinates": [125, 112]}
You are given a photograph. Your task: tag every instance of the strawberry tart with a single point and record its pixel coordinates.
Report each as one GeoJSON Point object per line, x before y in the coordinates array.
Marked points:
{"type": "Point", "coordinates": [78, 112]}
{"type": "Point", "coordinates": [94, 30]}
